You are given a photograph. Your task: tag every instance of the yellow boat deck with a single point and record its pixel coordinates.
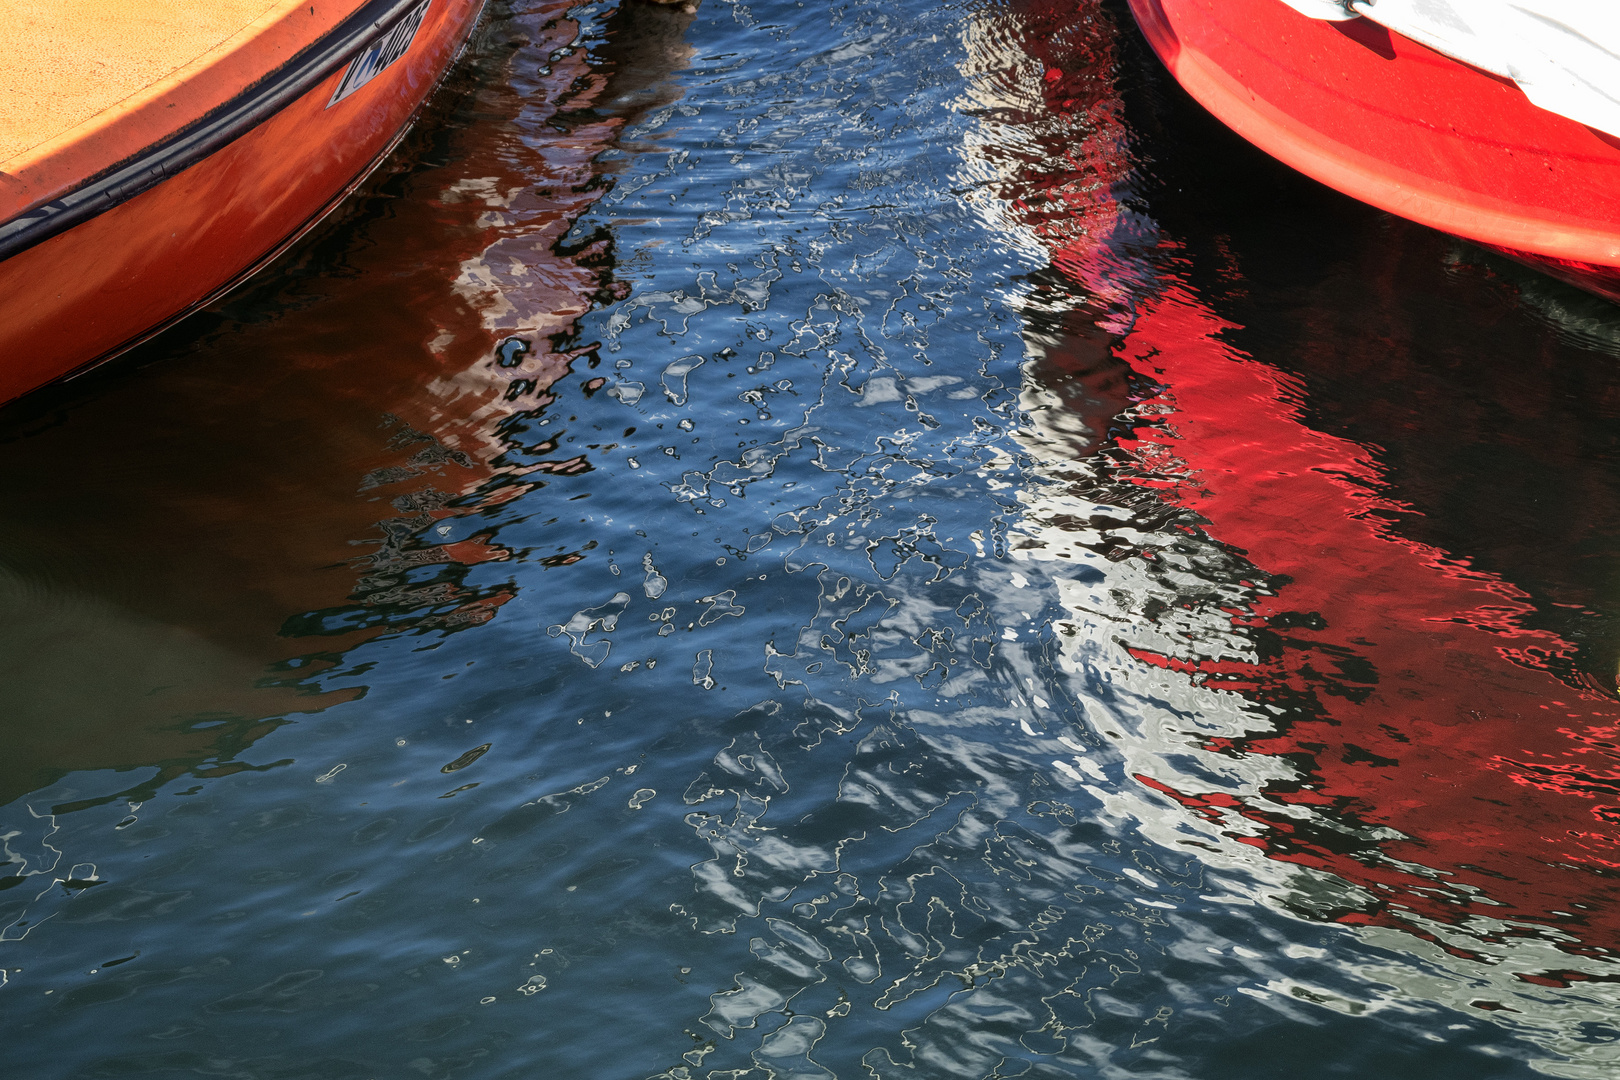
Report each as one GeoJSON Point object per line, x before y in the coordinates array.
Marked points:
{"type": "Point", "coordinates": [65, 61]}
{"type": "Point", "coordinates": [85, 84]}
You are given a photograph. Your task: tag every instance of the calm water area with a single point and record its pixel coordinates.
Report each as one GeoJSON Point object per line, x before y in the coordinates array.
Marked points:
{"type": "Point", "coordinates": [805, 540]}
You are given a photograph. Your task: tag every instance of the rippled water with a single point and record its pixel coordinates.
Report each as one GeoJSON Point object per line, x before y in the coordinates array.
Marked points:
{"type": "Point", "coordinates": [800, 541]}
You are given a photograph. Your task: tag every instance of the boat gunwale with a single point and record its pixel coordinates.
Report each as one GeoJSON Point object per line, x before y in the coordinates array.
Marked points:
{"type": "Point", "coordinates": [1473, 215]}
{"type": "Point", "coordinates": [197, 140]}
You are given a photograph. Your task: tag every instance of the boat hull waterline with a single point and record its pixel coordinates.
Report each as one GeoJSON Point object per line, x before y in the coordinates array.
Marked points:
{"type": "Point", "coordinates": [1395, 124]}
{"type": "Point", "coordinates": [125, 255]}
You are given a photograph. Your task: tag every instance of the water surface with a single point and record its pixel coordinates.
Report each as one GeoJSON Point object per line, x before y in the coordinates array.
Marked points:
{"type": "Point", "coordinates": [793, 541]}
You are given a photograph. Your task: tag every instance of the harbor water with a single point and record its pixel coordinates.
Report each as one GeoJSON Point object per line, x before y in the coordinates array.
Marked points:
{"type": "Point", "coordinates": [779, 541]}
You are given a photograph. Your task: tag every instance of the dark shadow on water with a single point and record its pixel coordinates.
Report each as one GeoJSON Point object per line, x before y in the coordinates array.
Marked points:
{"type": "Point", "coordinates": [201, 525]}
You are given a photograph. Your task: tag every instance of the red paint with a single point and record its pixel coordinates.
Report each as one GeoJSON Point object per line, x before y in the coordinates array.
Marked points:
{"type": "Point", "coordinates": [1397, 125]}
{"type": "Point", "coordinates": [1432, 713]}
{"type": "Point", "coordinates": [115, 279]}
{"type": "Point", "coordinates": [1415, 697]}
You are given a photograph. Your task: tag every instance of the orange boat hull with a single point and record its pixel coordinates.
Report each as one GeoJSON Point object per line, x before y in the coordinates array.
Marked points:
{"type": "Point", "coordinates": [118, 277]}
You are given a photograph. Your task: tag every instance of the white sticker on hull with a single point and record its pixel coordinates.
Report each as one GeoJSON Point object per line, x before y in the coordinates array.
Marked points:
{"type": "Point", "coordinates": [374, 58]}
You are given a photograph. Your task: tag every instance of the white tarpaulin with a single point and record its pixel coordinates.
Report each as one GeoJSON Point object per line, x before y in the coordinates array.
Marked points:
{"type": "Point", "coordinates": [1564, 54]}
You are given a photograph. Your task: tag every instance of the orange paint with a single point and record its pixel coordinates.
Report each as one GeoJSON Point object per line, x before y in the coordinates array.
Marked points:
{"type": "Point", "coordinates": [89, 83]}
{"type": "Point", "coordinates": [105, 284]}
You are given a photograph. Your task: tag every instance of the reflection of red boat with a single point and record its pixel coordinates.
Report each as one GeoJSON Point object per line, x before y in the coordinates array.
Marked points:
{"type": "Point", "coordinates": [209, 138]}
{"type": "Point", "coordinates": [1421, 702]}
{"type": "Point", "coordinates": [1407, 727]}
{"type": "Point", "coordinates": [1412, 130]}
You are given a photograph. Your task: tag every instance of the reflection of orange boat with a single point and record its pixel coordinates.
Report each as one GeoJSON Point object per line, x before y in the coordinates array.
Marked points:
{"type": "Point", "coordinates": [172, 611]}
{"type": "Point", "coordinates": [210, 135]}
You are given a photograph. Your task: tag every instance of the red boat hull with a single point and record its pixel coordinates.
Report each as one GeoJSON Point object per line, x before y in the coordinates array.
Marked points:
{"type": "Point", "coordinates": [115, 279]}
{"type": "Point", "coordinates": [1398, 125]}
